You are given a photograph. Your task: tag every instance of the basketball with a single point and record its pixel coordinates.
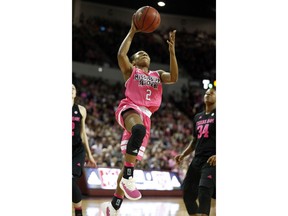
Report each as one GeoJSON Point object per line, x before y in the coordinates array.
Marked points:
{"type": "Point", "coordinates": [146, 19]}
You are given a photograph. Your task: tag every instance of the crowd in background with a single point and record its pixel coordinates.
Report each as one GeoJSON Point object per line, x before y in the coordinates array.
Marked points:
{"type": "Point", "coordinates": [96, 41]}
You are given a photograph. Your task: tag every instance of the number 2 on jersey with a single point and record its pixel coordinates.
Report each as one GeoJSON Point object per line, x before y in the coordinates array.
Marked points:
{"type": "Point", "coordinates": [148, 94]}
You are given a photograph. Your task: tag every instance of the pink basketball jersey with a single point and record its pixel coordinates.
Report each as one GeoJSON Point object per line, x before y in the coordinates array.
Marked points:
{"type": "Point", "coordinates": [144, 89]}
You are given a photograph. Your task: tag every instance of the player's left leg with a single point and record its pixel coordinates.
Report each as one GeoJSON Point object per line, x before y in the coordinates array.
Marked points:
{"type": "Point", "coordinates": [78, 160]}
{"type": "Point", "coordinates": [76, 197]}
{"type": "Point", "coordinates": [207, 186]}
{"type": "Point", "coordinates": [190, 189]}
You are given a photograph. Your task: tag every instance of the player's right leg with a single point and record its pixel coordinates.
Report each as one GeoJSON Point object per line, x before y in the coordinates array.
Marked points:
{"type": "Point", "coordinates": [190, 189]}
{"type": "Point", "coordinates": [133, 123]}
{"type": "Point", "coordinates": [112, 208]}
{"type": "Point", "coordinates": [108, 210]}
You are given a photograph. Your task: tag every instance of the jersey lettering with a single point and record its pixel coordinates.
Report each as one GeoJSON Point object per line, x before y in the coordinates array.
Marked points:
{"type": "Point", "coordinates": [148, 94]}
{"type": "Point", "coordinates": [203, 130]}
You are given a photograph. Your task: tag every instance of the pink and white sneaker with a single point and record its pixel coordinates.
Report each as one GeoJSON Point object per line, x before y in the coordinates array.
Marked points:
{"type": "Point", "coordinates": [129, 188]}
{"type": "Point", "coordinates": [106, 209]}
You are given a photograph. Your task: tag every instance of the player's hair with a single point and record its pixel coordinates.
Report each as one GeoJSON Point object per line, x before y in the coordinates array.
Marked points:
{"type": "Point", "coordinates": [132, 58]}
{"type": "Point", "coordinates": [76, 99]}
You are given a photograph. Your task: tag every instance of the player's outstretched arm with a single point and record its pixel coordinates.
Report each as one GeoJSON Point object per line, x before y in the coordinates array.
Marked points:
{"type": "Point", "coordinates": [190, 148]}
{"type": "Point", "coordinates": [172, 77]}
{"type": "Point", "coordinates": [84, 137]}
{"type": "Point", "coordinates": [123, 60]}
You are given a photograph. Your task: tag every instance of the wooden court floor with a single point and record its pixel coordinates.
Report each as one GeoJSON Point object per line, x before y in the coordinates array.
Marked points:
{"type": "Point", "coordinates": [160, 206]}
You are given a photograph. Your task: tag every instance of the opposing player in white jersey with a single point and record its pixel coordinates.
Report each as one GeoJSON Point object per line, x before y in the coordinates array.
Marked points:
{"type": "Point", "coordinates": [143, 96]}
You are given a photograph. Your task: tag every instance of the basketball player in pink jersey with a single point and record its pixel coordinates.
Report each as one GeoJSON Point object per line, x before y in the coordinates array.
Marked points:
{"type": "Point", "coordinates": [143, 96]}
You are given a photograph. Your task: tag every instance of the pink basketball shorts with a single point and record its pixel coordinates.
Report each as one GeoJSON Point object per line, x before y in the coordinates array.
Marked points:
{"type": "Point", "coordinates": [145, 115]}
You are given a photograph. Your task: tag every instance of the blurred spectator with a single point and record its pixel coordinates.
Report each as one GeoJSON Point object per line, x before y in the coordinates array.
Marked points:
{"type": "Point", "coordinates": [197, 57]}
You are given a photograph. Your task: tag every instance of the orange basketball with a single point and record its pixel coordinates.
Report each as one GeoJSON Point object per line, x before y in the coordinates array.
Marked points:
{"type": "Point", "coordinates": [146, 19]}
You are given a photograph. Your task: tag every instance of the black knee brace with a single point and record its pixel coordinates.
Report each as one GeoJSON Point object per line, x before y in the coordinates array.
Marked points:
{"type": "Point", "coordinates": [76, 192]}
{"type": "Point", "coordinates": [205, 195]}
{"type": "Point", "coordinates": [138, 133]}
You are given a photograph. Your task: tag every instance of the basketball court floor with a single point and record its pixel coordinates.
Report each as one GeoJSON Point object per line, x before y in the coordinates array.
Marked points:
{"type": "Point", "coordinates": [159, 206]}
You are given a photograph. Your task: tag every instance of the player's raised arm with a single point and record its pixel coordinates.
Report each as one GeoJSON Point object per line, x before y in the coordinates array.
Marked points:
{"type": "Point", "coordinates": [172, 77]}
{"type": "Point", "coordinates": [123, 60]}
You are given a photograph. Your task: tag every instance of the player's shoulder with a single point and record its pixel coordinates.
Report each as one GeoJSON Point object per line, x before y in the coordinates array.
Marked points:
{"type": "Point", "coordinates": [157, 73]}
{"type": "Point", "coordinates": [197, 115]}
{"type": "Point", "coordinates": [213, 112]}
